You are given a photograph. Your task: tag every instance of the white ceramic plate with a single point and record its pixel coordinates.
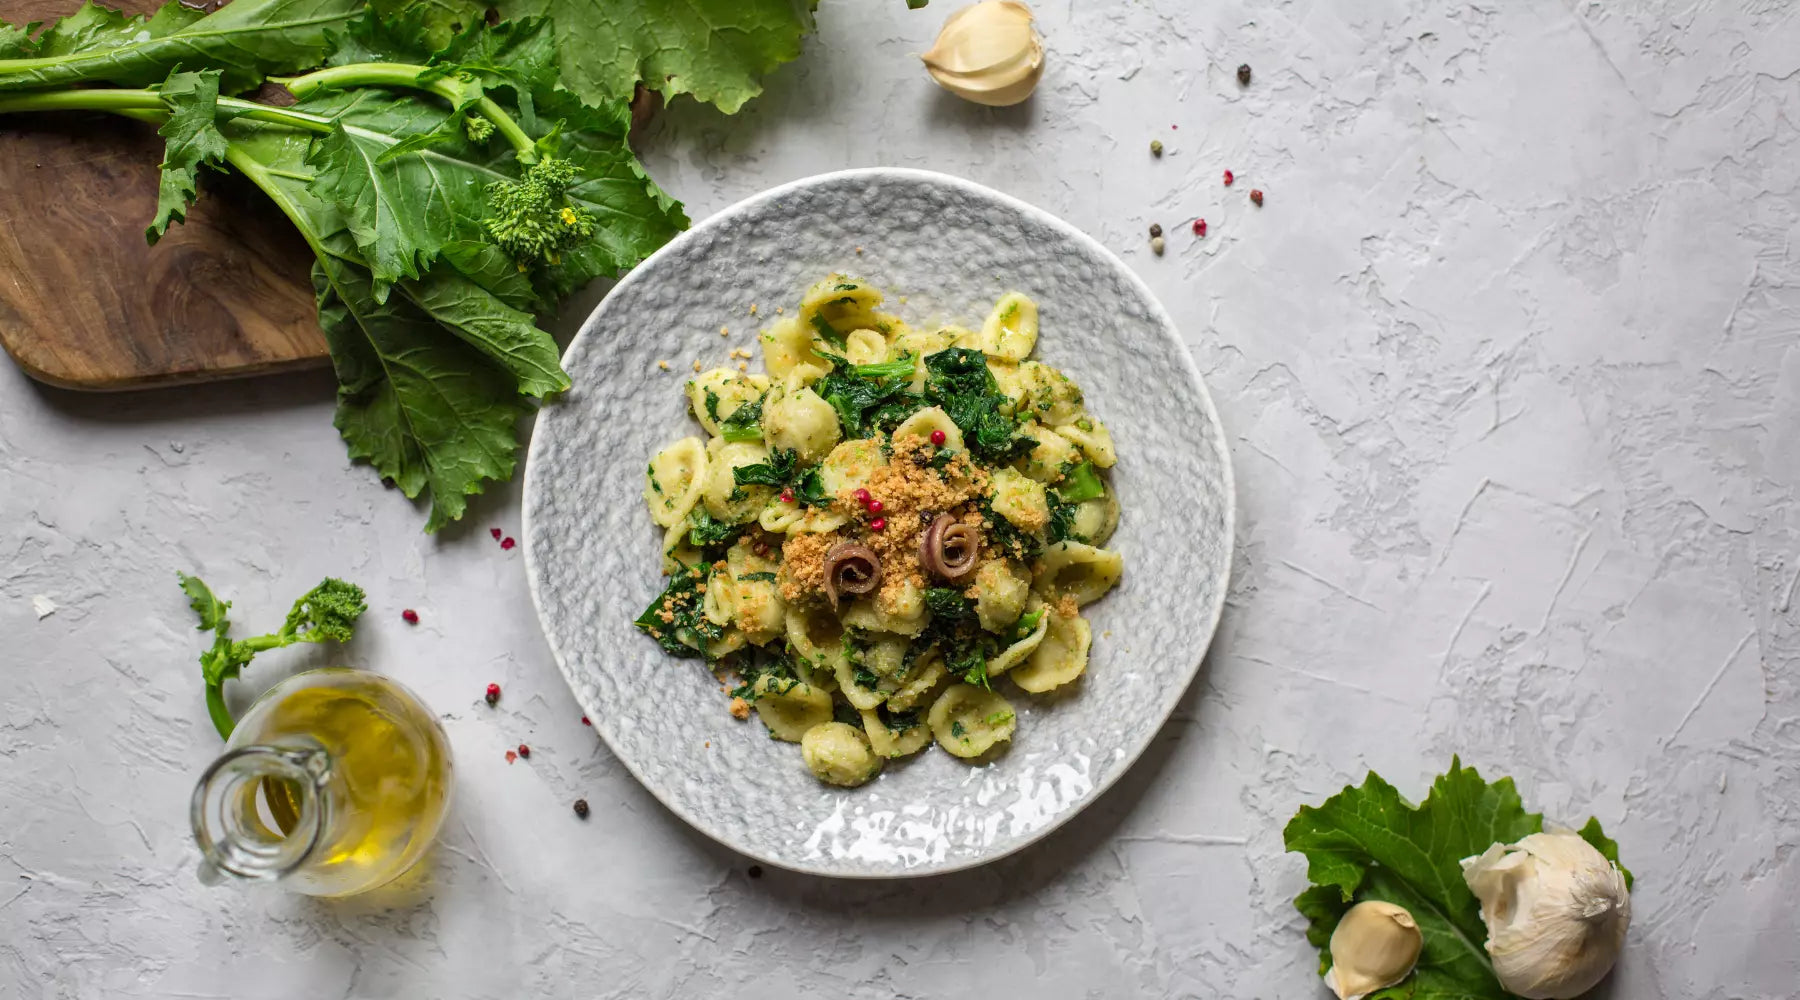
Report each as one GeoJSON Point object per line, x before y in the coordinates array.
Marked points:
{"type": "Point", "coordinates": [943, 249]}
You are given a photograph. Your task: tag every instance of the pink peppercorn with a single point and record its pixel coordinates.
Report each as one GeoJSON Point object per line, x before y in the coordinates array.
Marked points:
{"type": "Point", "coordinates": [787, 496]}
{"type": "Point", "coordinates": [875, 506]}
{"type": "Point", "coordinates": [507, 543]}
{"type": "Point", "coordinates": [510, 756]}
{"type": "Point", "coordinates": [493, 693]}
{"type": "Point", "coordinates": [1228, 178]}
{"type": "Point", "coordinates": [585, 722]}
{"type": "Point", "coordinates": [411, 616]}
{"type": "Point", "coordinates": [938, 438]}
{"type": "Point", "coordinates": [1199, 227]}
{"type": "Point", "coordinates": [524, 751]}
{"type": "Point", "coordinates": [878, 524]}
{"type": "Point", "coordinates": [862, 497]}
{"type": "Point", "coordinates": [1256, 197]}
{"type": "Point", "coordinates": [495, 532]}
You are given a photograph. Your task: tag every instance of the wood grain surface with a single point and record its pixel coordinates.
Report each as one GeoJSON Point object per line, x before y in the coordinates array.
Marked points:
{"type": "Point", "coordinates": [86, 303]}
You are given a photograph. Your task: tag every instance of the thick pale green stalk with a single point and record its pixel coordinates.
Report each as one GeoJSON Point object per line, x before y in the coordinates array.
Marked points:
{"type": "Point", "coordinates": [123, 101]}
{"type": "Point", "coordinates": [407, 76]}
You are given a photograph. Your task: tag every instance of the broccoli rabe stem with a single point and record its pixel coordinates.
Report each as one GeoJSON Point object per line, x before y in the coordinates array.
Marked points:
{"type": "Point", "coordinates": [147, 105]}
{"type": "Point", "coordinates": [407, 76]}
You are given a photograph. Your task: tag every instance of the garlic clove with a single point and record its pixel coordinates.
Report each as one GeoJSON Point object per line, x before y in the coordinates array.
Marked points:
{"type": "Point", "coordinates": [1375, 945]}
{"type": "Point", "coordinates": [1556, 911]}
{"type": "Point", "coordinates": [988, 53]}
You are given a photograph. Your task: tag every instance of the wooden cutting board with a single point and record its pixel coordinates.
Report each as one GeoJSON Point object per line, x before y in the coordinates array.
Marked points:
{"type": "Point", "coordinates": [85, 303]}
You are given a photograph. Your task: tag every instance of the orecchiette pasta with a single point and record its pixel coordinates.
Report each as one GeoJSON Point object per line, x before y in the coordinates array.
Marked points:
{"type": "Point", "coordinates": [884, 529]}
{"type": "Point", "coordinates": [1060, 657]}
{"type": "Point", "coordinates": [1081, 572]}
{"type": "Point", "coordinates": [968, 721]}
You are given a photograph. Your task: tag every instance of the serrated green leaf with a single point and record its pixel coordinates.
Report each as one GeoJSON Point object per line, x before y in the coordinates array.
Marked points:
{"type": "Point", "coordinates": [1607, 847]}
{"type": "Point", "coordinates": [716, 50]}
{"type": "Point", "coordinates": [489, 266]}
{"type": "Point", "coordinates": [193, 138]}
{"type": "Point", "coordinates": [508, 336]}
{"type": "Point", "coordinates": [401, 211]}
{"type": "Point", "coordinates": [1369, 843]}
{"type": "Point", "coordinates": [245, 41]}
{"type": "Point", "coordinates": [15, 43]}
{"type": "Point", "coordinates": [423, 408]}
{"type": "Point", "coordinates": [208, 607]}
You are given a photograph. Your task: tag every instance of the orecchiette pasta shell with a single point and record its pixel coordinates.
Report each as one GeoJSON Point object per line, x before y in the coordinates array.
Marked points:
{"type": "Point", "coordinates": [717, 604]}
{"type": "Point", "coordinates": [1080, 571]}
{"type": "Point", "coordinates": [725, 645]}
{"type": "Point", "coordinates": [968, 721]}
{"type": "Point", "coordinates": [790, 708]}
{"type": "Point", "coordinates": [839, 754]}
{"type": "Point", "coordinates": [927, 674]}
{"type": "Point", "coordinates": [1016, 653]}
{"type": "Point", "coordinates": [1096, 519]}
{"type": "Point", "coordinates": [865, 347]}
{"type": "Point", "coordinates": [891, 743]}
{"type": "Point", "coordinates": [931, 418]}
{"type": "Point", "coordinates": [1000, 593]}
{"type": "Point", "coordinates": [866, 614]}
{"type": "Point", "coordinates": [724, 498]}
{"type": "Point", "coordinates": [730, 389]}
{"type": "Point", "coordinates": [1095, 442]}
{"type": "Point", "coordinates": [674, 481]}
{"type": "Point", "coordinates": [1053, 451]}
{"type": "Point", "coordinates": [1020, 500]}
{"type": "Point", "coordinates": [796, 419]}
{"type": "Point", "coordinates": [675, 549]}
{"type": "Point", "coordinates": [1011, 329]}
{"type": "Point", "coordinates": [885, 654]}
{"type": "Point", "coordinates": [786, 344]}
{"type": "Point", "coordinates": [816, 639]}
{"type": "Point", "coordinates": [850, 465]}
{"type": "Point", "coordinates": [859, 696]}
{"type": "Point", "coordinates": [1059, 658]}
{"type": "Point", "coordinates": [1049, 395]}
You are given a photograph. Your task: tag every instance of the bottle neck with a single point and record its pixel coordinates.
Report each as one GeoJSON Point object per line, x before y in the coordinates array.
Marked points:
{"type": "Point", "coordinates": [259, 812]}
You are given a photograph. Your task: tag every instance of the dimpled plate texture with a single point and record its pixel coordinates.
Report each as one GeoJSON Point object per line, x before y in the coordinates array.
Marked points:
{"type": "Point", "coordinates": [950, 248]}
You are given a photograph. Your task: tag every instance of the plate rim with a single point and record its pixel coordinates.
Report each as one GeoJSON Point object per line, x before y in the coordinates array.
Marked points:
{"type": "Point", "coordinates": [1157, 311]}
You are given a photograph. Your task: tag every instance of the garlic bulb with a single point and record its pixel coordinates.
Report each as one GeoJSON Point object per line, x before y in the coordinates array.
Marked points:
{"type": "Point", "coordinates": [1556, 912]}
{"type": "Point", "coordinates": [1375, 946]}
{"type": "Point", "coordinates": [988, 53]}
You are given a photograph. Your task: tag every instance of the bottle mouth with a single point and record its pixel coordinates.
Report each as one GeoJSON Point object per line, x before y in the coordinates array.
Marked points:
{"type": "Point", "coordinates": [257, 812]}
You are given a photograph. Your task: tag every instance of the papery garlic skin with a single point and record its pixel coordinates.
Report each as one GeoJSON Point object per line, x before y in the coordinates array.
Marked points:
{"type": "Point", "coordinates": [1556, 912]}
{"type": "Point", "coordinates": [1375, 945]}
{"type": "Point", "coordinates": [988, 53]}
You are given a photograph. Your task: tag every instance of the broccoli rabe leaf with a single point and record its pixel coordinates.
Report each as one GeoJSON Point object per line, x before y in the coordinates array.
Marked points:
{"type": "Point", "coordinates": [705, 531]}
{"type": "Point", "coordinates": [783, 470]}
{"type": "Point", "coordinates": [677, 619]}
{"type": "Point", "coordinates": [1367, 842]}
{"type": "Point", "coordinates": [244, 41]}
{"type": "Point", "coordinates": [713, 49]}
{"type": "Point", "coordinates": [193, 138]}
{"type": "Point", "coordinates": [869, 397]}
{"type": "Point", "coordinates": [326, 613]}
{"type": "Point", "coordinates": [744, 423]}
{"type": "Point", "coordinates": [959, 381]}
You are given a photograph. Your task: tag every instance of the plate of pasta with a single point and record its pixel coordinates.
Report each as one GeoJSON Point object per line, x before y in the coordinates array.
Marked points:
{"type": "Point", "coordinates": [887, 522]}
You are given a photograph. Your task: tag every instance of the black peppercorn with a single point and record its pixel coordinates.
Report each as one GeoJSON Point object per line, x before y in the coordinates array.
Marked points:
{"type": "Point", "coordinates": [1244, 74]}
{"type": "Point", "coordinates": [1155, 230]}
{"type": "Point", "coordinates": [581, 808]}
{"type": "Point", "coordinates": [754, 871]}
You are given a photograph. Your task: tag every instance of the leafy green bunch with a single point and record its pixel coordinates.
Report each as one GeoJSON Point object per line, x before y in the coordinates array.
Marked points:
{"type": "Point", "coordinates": [1367, 842]}
{"type": "Point", "coordinates": [453, 178]}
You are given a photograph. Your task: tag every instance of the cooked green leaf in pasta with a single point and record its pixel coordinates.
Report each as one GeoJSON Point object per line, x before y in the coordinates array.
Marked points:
{"type": "Point", "coordinates": [885, 528]}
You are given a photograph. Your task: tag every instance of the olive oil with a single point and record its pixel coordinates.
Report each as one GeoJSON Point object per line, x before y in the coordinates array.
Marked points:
{"type": "Point", "coordinates": [335, 782]}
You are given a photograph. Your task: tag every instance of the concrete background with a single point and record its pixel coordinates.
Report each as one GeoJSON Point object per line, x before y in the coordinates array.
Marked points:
{"type": "Point", "coordinates": [1507, 361]}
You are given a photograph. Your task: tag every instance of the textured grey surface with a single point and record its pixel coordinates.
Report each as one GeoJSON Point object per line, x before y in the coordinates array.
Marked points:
{"type": "Point", "coordinates": [1508, 366]}
{"type": "Point", "coordinates": [943, 250]}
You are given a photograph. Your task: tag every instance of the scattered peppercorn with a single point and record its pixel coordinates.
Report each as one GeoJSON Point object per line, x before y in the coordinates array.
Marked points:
{"type": "Point", "coordinates": [1256, 197]}
{"type": "Point", "coordinates": [496, 532]}
{"type": "Point", "coordinates": [507, 543]}
{"type": "Point", "coordinates": [1157, 246]}
{"type": "Point", "coordinates": [875, 506]}
{"type": "Point", "coordinates": [862, 496]}
{"type": "Point", "coordinates": [1229, 178]}
{"type": "Point", "coordinates": [581, 808]}
{"type": "Point", "coordinates": [787, 496]}
{"type": "Point", "coordinates": [754, 871]}
{"type": "Point", "coordinates": [493, 693]}
{"type": "Point", "coordinates": [1155, 147]}
{"type": "Point", "coordinates": [938, 438]}
{"type": "Point", "coordinates": [411, 616]}
{"type": "Point", "coordinates": [585, 722]}
{"type": "Point", "coordinates": [878, 524]}
{"type": "Point", "coordinates": [1244, 74]}
{"type": "Point", "coordinates": [1199, 227]}
{"type": "Point", "coordinates": [1155, 230]}
{"type": "Point", "coordinates": [510, 756]}
{"type": "Point", "coordinates": [524, 751]}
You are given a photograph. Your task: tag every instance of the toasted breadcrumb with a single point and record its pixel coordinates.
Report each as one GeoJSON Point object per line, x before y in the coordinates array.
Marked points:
{"type": "Point", "coordinates": [740, 709]}
{"type": "Point", "coordinates": [664, 365]}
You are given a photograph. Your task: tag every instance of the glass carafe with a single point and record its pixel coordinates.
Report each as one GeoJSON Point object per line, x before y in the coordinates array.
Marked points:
{"type": "Point", "coordinates": [334, 782]}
